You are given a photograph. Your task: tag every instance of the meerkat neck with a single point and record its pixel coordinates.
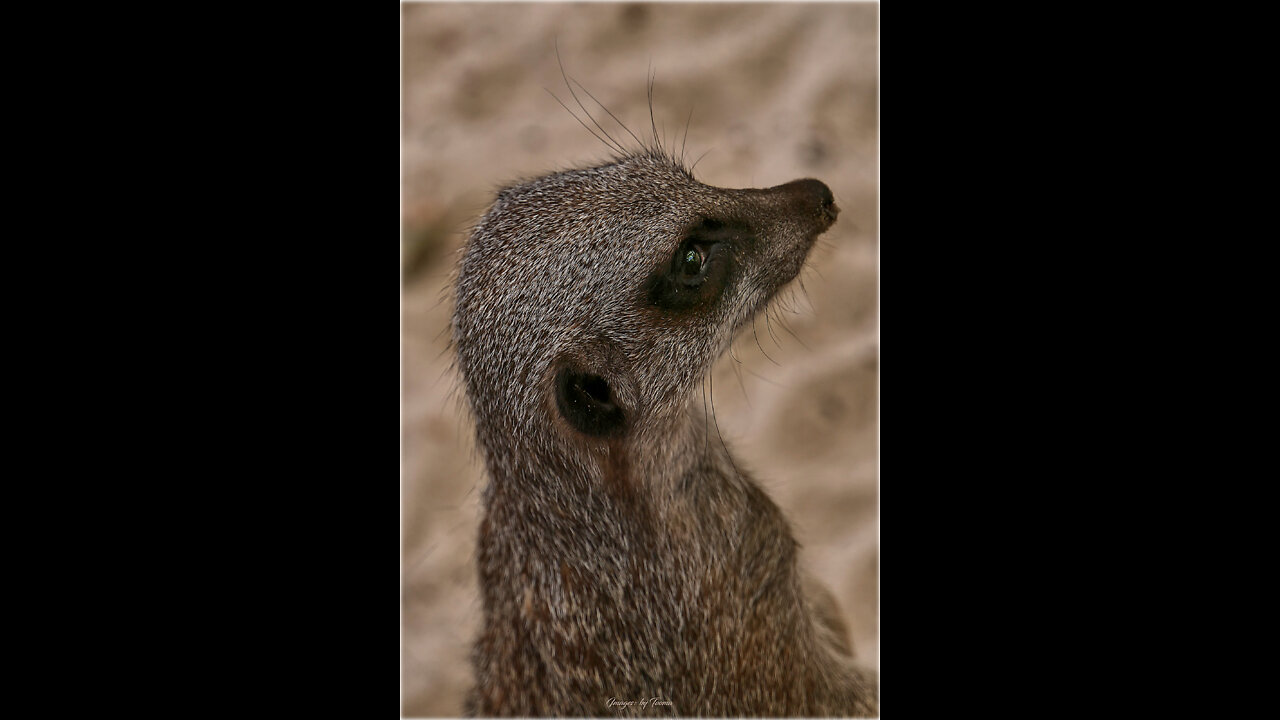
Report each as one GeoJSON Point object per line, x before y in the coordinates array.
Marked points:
{"type": "Point", "coordinates": [650, 462]}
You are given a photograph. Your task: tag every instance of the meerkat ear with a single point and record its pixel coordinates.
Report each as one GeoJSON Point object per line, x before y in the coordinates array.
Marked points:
{"type": "Point", "coordinates": [588, 403]}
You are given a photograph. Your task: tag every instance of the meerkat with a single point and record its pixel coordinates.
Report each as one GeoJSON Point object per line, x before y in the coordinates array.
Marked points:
{"type": "Point", "coordinates": [626, 563]}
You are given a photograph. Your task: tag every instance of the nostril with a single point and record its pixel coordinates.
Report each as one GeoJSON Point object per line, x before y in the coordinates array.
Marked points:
{"type": "Point", "coordinates": [826, 201]}
{"type": "Point", "coordinates": [825, 192]}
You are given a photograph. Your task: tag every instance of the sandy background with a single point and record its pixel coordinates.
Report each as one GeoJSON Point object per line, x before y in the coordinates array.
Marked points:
{"type": "Point", "coordinates": [779, 92]}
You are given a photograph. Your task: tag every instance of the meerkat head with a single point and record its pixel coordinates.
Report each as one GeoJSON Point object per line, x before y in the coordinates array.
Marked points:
{"type": "Point", "coordinates": [601, 297]}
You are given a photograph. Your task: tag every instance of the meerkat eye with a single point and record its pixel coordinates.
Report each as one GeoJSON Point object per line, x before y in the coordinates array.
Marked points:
{"type": "Point", "coordinates": [699, 270]}
{"type": "Point", "coordinates": [692, 264]}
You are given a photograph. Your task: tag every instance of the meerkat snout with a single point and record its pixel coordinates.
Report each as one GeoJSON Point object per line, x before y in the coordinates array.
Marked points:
{"type": "Point", "coordinates": [809, 198]}
{"type": "Point", "coordinates": [815, 189]}
{"type": "Point", "coordinates": [819, 193]}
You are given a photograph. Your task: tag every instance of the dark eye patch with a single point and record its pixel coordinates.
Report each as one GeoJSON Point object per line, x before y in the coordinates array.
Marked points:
{"type": "Point", "coordinates": [701, 268]}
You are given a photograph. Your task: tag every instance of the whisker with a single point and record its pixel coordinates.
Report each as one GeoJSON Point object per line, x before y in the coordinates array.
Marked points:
{"type": "Point", "coordinates": [616, 145]}
{"type": "Point", "coordinates": [737, 371]}
{"type": "Point", "coordinates": [575, 117]}
{"type": "Point", "coordinates": [728, 454]}
{"type": "Point", "coordinates": [652, 124]}
{"type": "Point", "coordinates": [695, 162]}
{"type": "Point", "coordinates": [769, 327]}
{"type": "Point", "coordinates": [787, 327]}
{"type": "Point", "coordinates": [602, 106]}
{"type": "Point", "coordinates": [757, 337]}
{"type": "Point", "coordinates": [706, 429]}
{"type": "Point", "coordinates": [686, 135]}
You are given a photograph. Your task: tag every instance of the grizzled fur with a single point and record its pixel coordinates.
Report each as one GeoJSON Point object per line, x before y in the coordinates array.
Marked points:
{"type": "Point", "coordinates": [622, 555]}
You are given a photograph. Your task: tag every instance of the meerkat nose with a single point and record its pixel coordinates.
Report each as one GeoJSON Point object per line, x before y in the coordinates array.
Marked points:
{"type": "Point", "coordinates": [826, 201]}
{"type": "Point", "coordinates": [818, 189]}
{"type": "Point", "coordinates": [816, 192]}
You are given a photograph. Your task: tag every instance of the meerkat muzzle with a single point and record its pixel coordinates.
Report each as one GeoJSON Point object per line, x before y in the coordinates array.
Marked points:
{"type": "Point", "coordinates": [813, 196]}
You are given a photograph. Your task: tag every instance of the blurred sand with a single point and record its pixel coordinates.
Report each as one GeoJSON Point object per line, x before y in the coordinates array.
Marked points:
{"type": "Point", "coordinates": [779, 92]}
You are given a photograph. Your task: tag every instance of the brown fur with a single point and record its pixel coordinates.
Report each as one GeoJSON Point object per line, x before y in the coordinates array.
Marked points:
{"type": "Point", "coordinates": [623, 555]}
